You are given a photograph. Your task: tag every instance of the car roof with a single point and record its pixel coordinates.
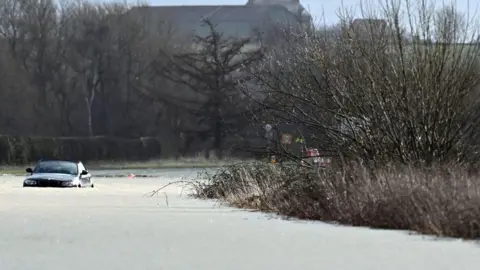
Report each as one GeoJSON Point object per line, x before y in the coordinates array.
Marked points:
{"type": "Point", "coordinates": [59, 160]}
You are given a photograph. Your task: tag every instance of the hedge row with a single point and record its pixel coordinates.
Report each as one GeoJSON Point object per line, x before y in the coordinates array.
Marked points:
{"type": "Point", "coordinates": [24, 150]}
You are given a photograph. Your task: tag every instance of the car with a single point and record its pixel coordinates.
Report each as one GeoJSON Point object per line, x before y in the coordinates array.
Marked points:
{"type": "Point", "coordinates": [58, 173]}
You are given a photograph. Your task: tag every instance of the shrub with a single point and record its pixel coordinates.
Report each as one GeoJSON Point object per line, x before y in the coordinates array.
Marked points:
{"type": "Point", "coordinates": [380, 87]}
{"type": "Point", "coordinates": [23, 150]}
{"type": "Point", "coordinates": [442, 201]}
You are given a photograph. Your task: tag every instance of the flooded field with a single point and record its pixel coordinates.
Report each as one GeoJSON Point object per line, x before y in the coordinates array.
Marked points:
{"type": "Point", "coordinates": [113, 226]}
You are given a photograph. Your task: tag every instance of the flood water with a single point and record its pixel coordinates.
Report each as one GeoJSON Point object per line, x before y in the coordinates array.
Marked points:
{"type": "Point", "coordinates": [171, 173]}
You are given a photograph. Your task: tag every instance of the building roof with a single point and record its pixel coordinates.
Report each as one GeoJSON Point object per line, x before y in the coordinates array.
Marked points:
{"type": "Point", "coordinates": [293, 6]}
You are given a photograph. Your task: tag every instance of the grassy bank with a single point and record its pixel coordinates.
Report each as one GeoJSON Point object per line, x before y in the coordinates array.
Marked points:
{"type": "Point", "coordinates": [443, 201]}
{"type": "Point", "coordinates": [193, 162]}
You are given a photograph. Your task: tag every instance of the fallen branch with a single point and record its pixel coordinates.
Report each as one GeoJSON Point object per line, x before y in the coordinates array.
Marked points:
{"type": "Point", "coordinates": [156, 191]}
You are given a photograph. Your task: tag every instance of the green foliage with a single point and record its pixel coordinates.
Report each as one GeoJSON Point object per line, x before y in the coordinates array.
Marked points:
{"type": "Point", "coordinates": [23, 150]}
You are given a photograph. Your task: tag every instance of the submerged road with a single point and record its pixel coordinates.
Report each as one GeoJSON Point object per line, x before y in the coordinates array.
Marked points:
{"type": "Point", "coordinates": [112, 227]}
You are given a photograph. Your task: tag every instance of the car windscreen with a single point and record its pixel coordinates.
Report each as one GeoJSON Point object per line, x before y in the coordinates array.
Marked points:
{"type": "Point", "coordinates": [63, 167]}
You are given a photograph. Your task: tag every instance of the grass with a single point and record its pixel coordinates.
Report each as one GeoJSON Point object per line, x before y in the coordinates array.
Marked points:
{"type": "Point", "coordinates": [442, 201]}
{"type": "Point", "coordinates": [187, 162]}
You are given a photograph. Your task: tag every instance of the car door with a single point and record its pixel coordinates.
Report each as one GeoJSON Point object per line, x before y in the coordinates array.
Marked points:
{"type": "Point", "coordinates": [85, 179]}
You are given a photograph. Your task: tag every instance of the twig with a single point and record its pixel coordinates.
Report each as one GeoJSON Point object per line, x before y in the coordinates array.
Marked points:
{"type": "Point", "coordinates": [155, 192]}
{"type": "Point", "coordinates": [166, 199]}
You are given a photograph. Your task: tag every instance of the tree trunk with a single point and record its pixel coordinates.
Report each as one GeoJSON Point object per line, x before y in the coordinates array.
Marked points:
{"type": "Point", "coordinates": [89, 118]}
{"type": "Point", "coordinates": [89, 103]}
{"type": "Point", "coordinates": [218, 138]}
{"type": "Point", "coordinates": [91, 88]}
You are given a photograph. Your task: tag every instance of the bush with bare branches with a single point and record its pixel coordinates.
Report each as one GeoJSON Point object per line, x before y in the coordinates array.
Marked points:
{"type": "Point", "coordinates": [398, 93]}
{"type": "Point", "coordinates": [440, 200]}
{"type": "Point", "coordinates": [383, 88]}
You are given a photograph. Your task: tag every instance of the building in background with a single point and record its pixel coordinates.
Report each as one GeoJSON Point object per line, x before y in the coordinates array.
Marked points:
{"type": "Point", "coordinates": [294, 6]}
{"type": "Point", "coordinates": [231, 20]}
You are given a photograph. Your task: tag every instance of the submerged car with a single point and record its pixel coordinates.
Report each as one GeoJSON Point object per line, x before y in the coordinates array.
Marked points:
{"type": "Point", "coordinates": [58, 173]}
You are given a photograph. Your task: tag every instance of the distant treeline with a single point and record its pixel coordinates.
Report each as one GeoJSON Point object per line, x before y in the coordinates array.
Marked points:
{"type": "Point", "coordinates": [95, 69]}
{"type": "Point", "coordinates": [22, 150]}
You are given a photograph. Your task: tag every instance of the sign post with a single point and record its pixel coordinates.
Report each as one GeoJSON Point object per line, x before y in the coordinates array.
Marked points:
{"type": "Point", "coordinates": [287, 139]}
{"type": "Point", "coordinates": [269, 136]}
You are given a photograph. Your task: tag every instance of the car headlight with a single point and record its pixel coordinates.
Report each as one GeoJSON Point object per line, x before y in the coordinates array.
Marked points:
{"type": "Point", "coordinates": [30, 182]}
{"type": "Point", "coordinates": [68, 183]}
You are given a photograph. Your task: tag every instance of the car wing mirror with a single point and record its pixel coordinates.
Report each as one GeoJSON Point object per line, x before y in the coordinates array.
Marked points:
{"type": "Point", "coordinates": [29, 170]}
{"type": "Point", "coordinates": [84, 172]}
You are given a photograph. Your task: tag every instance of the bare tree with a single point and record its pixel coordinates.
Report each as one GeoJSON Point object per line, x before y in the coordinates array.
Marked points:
{"type": "Point", "coordinates": [375, 94]}
{"type": "Point", "coordinates": [92, 47]}
{"type": "Point", "coordinates": [86, 68]}
{"type": "Point", "coordinates": [14, 90]}
{"type": "Point", "coordinates": [212, 71]}
{"type": "Point", "coordinates": [29, 27]}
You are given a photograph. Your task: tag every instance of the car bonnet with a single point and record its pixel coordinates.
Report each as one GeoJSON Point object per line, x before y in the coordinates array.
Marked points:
{"type": "Point", "coordinates": [52, 176]}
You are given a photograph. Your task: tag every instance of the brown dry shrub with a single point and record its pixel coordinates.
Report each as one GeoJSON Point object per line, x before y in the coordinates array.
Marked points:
{"type": "Point", "coordinates": [441, 200]}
